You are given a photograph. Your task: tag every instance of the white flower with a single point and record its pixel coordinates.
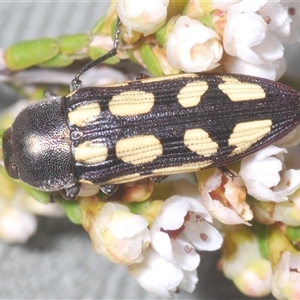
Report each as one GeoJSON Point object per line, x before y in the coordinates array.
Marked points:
{"type": "Point", "coordinates": [244, 265]}
{"type": "Point", "coordinates": [193, 47]}
{"type": "Point", "coordinates": [263, 180]}
{"type": "Point", "coordinates": [156, 275]}
{"type": "Point", "coordinates": [223, 4]}
{"type": "Point", "coordinates": [278, 20]}
{"type": "Point", "coordinates": [286, 278]}
{"type": "Point", "coordinates": [253, 34]}
{"type": "Point", "coordinates": [287, 212]}
{"type": "Point", "coordinates": [145, 16]}
{"type": "Point", "coordinates": [180, 227]}
{"type": "Point", "coordinates": [270, 70]}
{"type": "Point", "coordinates": [293, 8]}
{"type": "Point", "coordinates": [16, 225]}
{"type": "Point", "coordinates": [224, 198]}
{"type": "Point", "coordinates": [118, 234]}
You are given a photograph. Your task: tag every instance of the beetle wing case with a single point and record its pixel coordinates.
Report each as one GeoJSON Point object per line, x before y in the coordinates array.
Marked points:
{"type": "Point", "coordinates": [174, 124]}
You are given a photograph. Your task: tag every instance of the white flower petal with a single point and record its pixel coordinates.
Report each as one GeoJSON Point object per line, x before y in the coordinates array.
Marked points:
{"type": "Point", "coordinates": [263, 176]}
{"type": "Point", "coordinates": [248, 6]}
{"type": "Point", "coordinates": [161, 243]}
{"type": "Point", "coordinates": [193, 47]}
{"type": "Point", "coordinates": [16, 225]}
{"type": "Point", "coordinates": [118, 234]}
{"type": "Point", "coordinates": [204, 237]}
{"type": "Point", "coordinates": [270, 49]}
{"type": "Point", "coordinates": [173, 213]}
{"type": "Point", "coordinates": [226, 215]}
{"type": "Point", "coordinates": [145, 16]}
{"type": "Point", "coordinates": [156, 275]}
{"type": "Point", "coordinates": [185, 257]}
{"type": "Point", "coordinates": [188, 283]}
{"type": "Point", "coordinates": [289, 183]}
{"type": "Point", "coordinates": [270, 70]}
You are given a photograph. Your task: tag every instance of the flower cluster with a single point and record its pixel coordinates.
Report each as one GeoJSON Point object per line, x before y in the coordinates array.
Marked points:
{"type": "Point", "coordinates": [243, 37]}
{"type": "Point", "coordinates": [158, 230]}
{"type": "Point", "coordinates": [159, 242]}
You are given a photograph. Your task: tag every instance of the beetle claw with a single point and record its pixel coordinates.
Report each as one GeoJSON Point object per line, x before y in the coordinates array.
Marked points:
{"type": "Point", "coordinates": [109, 189]}
{"type": "Point", "coordinates": [72, 192]}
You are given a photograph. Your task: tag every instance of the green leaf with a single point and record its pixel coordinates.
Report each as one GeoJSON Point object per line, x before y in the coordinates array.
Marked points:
{"type": "Point", "coordinates": [262, 234]}
{"type": "Point", "coordinates": [30, 53]}
{"type": "Point", "coordinates": [138, 207]}
{"type": "Point", "coordinates": [150, 60]}
{"type": "Point", "coordinates": [293, 234]}
{"type": "Point", "coordinates": [70, 44]}
{"type": "Point", "coordinates": [98, 26]}
{"type": "Point", "coordinates": [60, 60]}
{"type": "Point", "coordinates": [160, 35]}
{"type": "Point", "coordinates": [207, 20]}
{"type": "Point", "coordinates": [1, 135]}
{"type": "Point", "coordinates": [42, 197]}
{"type": "Point", "coordinates": [72, 211]}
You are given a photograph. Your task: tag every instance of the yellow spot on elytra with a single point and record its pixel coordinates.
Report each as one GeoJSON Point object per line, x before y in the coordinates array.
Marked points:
{"type": "Point", "coordinates": [247, 133]}
{"type": "Point", "coordinates": [131, 103]}
{"type": "Point", "coordinates": [91, 152]}
{"type": "Point", "coordinates": [84, 114]}
{"type": "Point", "coordinates": [241, 91]}
{"type": "Point", "coordinates": [199, 141]}
{"type": "Point", "coordinates": [139, 149]}
{"type": "Point", "coordinates": [190, 95]}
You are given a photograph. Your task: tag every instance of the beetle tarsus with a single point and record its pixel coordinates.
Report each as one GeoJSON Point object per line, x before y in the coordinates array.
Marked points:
{"type": "Point", "coordinates": [158, 179]}
{"type": "Point", "coordinates": [72, 192]}
{"type": "Point", "coordinates": [227, 172]}
{"type": "Point", "coordinates": [109, 189]}
{"type": "Point", "coordinates": [141, 76]}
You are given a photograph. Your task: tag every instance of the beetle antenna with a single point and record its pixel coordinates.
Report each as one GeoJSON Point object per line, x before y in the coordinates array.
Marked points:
{"type": "Point", "coordinates": [76, 82]}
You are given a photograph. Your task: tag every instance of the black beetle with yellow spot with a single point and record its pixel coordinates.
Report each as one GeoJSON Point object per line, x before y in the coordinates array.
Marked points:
{"type": "Point", "coordinates": [148, 127]}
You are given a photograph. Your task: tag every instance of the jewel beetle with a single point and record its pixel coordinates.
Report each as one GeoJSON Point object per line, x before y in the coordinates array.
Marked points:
{"type": "Point", "coordinates": [147, 127]}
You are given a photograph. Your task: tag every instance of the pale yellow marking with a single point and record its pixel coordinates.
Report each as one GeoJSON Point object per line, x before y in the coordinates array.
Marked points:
{"type": "Point", "coordinates": [116, 84]}
{"type": "Point", "coordinates": [190, 95]}
{"type": "Point", "coordinates": [139, 149]}
{"type": "Point", "coordinates": [241, 91]}
{"type": "Point", "coordinates": [169, 77]}
{"type": "Point", "coordinates": [91, 152]}
{"type": "Point", "coordinates": [185, 168]}
{"type": "Point", "coordinates": [131, 103]}
{"type": "Point", "coordinates": [84, 114]}
{"type": "Point", "coordinates": [247, 133]}
{"type": "Point", "coordinates": [199, 141]}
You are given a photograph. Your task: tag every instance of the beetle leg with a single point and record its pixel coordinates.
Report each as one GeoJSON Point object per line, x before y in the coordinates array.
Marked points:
{"type": "Point", "coordinates": [158, 179]}
{"type": "Point", "coordinates": [109, 189]}
{"type": "Point", "coordinates": [50, 95]}
{"type": "Point", "coordinates": [141, 76]}
{"type": "Point", "coordinates": [72, 192]}
{"type": "Point", "coordinates": [227, 172]}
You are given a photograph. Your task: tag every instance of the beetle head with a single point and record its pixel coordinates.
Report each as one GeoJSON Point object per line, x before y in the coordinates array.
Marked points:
{"type": "Point", "coordinates": [36, 148]}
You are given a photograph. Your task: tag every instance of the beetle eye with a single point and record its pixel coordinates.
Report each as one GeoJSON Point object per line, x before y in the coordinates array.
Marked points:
{"type": "Point", "coordinates": [9, 163]}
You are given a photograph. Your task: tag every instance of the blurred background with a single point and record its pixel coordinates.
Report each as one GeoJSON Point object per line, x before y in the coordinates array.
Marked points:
{"type": "Point", "coordinates": [58, 261]}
